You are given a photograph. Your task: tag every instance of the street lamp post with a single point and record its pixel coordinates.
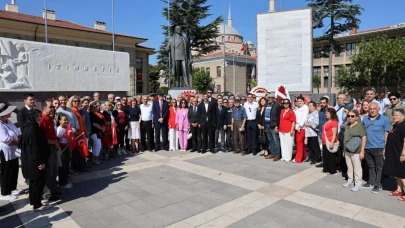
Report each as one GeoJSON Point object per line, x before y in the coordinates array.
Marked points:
{"type": "Point", "coordinates": [46, 21]}
{"type": "Point", "coordinates": [223, 42]}
{"type": "Point", "coordinates": [234, 73]}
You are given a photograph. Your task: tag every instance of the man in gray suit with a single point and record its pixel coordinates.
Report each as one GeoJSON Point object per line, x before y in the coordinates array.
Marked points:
{"type": "Point", "coordinates": [180, 56]}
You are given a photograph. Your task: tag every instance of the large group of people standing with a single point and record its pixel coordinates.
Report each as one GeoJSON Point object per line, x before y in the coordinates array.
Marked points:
{"type": "Point", "coordinates": [335, 139]}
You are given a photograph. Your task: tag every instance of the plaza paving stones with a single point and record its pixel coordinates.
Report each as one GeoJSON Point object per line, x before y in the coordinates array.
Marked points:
{"type": "Point", "coordinates": [185, 190]}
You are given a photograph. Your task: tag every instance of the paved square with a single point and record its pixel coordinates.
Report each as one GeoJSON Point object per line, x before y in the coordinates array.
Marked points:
{"type": "Point", "coordinates": [181, 189]}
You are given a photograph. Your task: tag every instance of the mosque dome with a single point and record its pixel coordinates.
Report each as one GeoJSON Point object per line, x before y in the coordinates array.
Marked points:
{"type": "Point", "coordinates": [229, 30]}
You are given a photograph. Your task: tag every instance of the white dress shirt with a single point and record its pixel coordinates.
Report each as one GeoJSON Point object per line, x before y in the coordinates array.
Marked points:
{"type": "Point", "coordinates": [8, 132]}
{"type": "Point", "coordinates": [251, 109]}
{"type": "Point", "coordinates": [146, 112]}
{"type": "Point", "coordinates": [301, 114]}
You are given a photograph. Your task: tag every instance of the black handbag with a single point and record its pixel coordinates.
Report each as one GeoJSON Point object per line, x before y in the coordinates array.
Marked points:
{"type": "Point", "coordinates": [262, 138]}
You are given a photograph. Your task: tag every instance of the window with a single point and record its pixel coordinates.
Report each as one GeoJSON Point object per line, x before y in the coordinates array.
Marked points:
{"type": "Point", "coordinates": [350, 49]}
{"type": "Point", "coordinates": [218, 88]}
{"type": "Point", "coordinates": [218, 71]}
{"type": "Point", "coordinates": [139, 63]}
{"type": "Point", "coordinates": [337, 67]}
{"type": "Point", "coordinates": [208, 71]}
{"type": "Point", "coordinates": [316, 71]}
{"type": "Point", "coordinates": [325, 77]}
{"type": "Point", "coordinates": [139, 88]}
{"type": "Point", "coordinates": [339, 52]}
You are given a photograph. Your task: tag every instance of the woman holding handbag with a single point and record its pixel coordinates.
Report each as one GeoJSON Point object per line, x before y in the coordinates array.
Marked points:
{"type": "Point", "coordinates": [262, 127]}
{"type": "Point", "coordinates": [329, 141]}
{"type": "Point", "coordinates": [354, 143]}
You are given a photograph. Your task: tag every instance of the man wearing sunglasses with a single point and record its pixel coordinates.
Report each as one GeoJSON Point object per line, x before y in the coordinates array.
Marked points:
{"type": "Point", "coordinates": [395, 99]}
{"type": "Point", "coordinates": [251, 126]}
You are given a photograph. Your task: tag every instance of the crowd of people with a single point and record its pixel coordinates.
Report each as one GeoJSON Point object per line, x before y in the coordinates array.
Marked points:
{"type": "Point", "coordinates": [358, 141]}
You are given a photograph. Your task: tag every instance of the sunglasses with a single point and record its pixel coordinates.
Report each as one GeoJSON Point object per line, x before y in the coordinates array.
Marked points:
{"type": "Point", "coordinates": [75, 101]}
{"type": "Point", "coordinates": [183, 102]}
{"type": "Point", "coordinates": [168, 98]}
{"type": "Point", "coordinates": [393, 99]}
{"type": "Point", "coordinates": [286, 102]}
{"type": "Point", "coordinates": [209, 92]}
{"type": "Point", "coordinates": [351, 116]}
{"type": "Point", "coordinates": [173, 102]}
{"type": "Point", "coordinates": [52, 107]}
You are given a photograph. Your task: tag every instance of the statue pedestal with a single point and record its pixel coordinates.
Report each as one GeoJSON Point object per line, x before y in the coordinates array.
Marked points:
{"type": "Point", "coordinates": [175, 91]}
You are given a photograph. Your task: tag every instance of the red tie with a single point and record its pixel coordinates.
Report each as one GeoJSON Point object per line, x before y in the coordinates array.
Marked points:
{"type": "Point", "coordinates": [160, 103]}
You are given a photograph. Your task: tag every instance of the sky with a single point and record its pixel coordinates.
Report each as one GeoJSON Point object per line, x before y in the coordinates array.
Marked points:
{"type": "Point", "coordinates": [143, 18]}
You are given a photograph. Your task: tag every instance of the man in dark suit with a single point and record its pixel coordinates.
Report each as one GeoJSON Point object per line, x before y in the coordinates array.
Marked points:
{"type": "Point", "coordinates": [272, 122]}
{"type": "Point", "coordinates": [194, 120]}
{"type": "Point", "coordinates": [221, 117]}
{"type": "Point", "coordinates": [207, 113]}
{"type": "Point", "coordinates": [29, 103]}
{"type": "Point", "coordinates": [160, 111]}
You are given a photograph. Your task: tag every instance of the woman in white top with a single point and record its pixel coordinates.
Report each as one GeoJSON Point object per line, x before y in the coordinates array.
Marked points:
{"type": "Point", "coordinates": [301, 114]}
{"type": "Point", "coordinates": [9, 141]}
{"type": "Point", "coordinates": [311, 132]}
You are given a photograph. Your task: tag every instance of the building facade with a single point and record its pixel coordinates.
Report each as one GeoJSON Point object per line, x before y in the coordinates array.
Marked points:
{"type": "Point", "coordinates": [239, 60]}
{"type": "Point", "coordinates": [348, 42]}
{"type": "Point", "coordinates": [16, 25]}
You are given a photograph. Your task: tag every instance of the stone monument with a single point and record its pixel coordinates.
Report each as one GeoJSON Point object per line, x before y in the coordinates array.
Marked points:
{"type": "Point", "coordinates": [179, 51]}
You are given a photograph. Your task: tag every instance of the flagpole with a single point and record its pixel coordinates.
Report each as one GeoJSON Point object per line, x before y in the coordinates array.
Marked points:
{"type": "Point", "coordinates": [113, 34]}
{"type": "Point", "coordinates": [223, 41]}
{"type": "Point", "coordinates": [168, 29]}
{"type": "Point", "coordinates": [46, 21]}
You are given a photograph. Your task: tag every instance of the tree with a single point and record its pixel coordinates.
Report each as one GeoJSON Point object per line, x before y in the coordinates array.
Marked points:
{"type": "Point", "coordinates": [343, 17]}
{"type": "Point", "coordinates": [154, 75]}
{"type": "Point", "coordinates": [201, 79]}
{"type": "Point", "coordinates": [379, 63]}
{"type": "Point", "coordinates": [188, 14]}
{"type": "Point", "coordinates": [316, 81]}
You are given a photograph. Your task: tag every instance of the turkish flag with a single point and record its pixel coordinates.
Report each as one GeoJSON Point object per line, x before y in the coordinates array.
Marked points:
{"type": "Point", "coordinates": [68, 134]}
{"type": "Point", "coordinates": [114, 132]}
{"type": "Point", "coordinates": [282, 93]}
{"type": "Point", "coordinates": [243, 48]}
{"type": "Point", "coordinates": [139, 75]}
{"type": "Point", "coordinates": [81, 145]}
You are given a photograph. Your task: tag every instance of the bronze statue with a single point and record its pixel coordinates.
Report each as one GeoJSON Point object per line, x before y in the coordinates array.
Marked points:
{"type": "Point", "coordinates": [179, 57]}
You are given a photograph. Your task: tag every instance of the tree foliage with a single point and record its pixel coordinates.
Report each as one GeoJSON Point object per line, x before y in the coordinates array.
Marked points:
{"type": "Point", "coordinates": [341, 16]}
{"type": "Point", "coordinates": [378, 63]}
{"type": "Point", "coordinates": [201, 79]}
{"type": "Point", "coordinates": [188, 14]}
{"type": "Point", "coordinates": [154, 78]}
{"type": "Point", "coordinates": [316, 81]}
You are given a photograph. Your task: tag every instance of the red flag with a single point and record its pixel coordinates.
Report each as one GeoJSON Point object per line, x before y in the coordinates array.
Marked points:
{"type": "Point", "coordinates": [114, 132]}
{"type": "Point", "coordinates": [81, 145]}
{"type": "Point", "coordinates": [68, 134]}
{"type": "Point", "coordinates": [243, 48]}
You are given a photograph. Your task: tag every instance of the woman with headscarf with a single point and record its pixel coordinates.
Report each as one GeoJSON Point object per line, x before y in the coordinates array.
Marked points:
{"type": "Point", "coordinates": [9, 141]}
{"type": "Point", "coordinates": [34, 147]}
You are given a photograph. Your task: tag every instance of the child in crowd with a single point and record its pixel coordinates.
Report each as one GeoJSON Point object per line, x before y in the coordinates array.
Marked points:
{"type": "Point", "coordinates": [64, 169]}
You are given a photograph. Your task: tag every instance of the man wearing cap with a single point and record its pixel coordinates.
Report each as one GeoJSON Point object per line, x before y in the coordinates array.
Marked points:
{"type": "Point", "coordinates": [206, 112]}
{"type": "Point", "coordinates": [251, 109]}
{"type": "Point", "coordinates": [272, 122]}
{"type": "Point", "coordinates": [160, 111]}
{"type": "Point", "coordinates": [239, 117]}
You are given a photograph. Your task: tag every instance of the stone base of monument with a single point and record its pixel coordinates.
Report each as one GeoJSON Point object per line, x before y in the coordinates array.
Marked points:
{"type": "Point", "coordinates": [174, 92]}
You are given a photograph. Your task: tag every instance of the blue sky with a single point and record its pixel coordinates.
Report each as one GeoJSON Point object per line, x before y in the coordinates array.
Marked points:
{"type": "Point", "coordinates": [143, 18]}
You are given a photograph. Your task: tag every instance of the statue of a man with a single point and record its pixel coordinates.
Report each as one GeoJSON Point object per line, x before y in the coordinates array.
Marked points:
{"type": "Point", "coordinates": [180, 56]}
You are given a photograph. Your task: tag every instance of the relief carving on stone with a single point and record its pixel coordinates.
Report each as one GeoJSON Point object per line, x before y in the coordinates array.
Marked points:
{"type": "Point", "coordinates": [14, 62]}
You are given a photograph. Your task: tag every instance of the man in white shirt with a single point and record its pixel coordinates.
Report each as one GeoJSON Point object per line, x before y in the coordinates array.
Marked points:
{"type": "Point", "coordinates": [146, 124]}
{"type": "Point", "coordinates": [251, 126]}
{"type": "Point", "coordinates": [370, 97]}
{"type": "Point", "coordinates": [341, 99]}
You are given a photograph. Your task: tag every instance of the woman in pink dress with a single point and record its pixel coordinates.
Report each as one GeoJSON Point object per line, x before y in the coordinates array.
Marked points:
{"type": "Point", "coordinates": [182, 124]}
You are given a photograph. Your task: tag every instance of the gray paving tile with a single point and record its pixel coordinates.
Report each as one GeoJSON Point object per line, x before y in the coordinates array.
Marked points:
{"type": "Point", "coordinates": [139, 193]}
{"type": "Point", "coordinates": [89, 221]}
{"type": "Point", "coordinates": [108, 216]}
{"type": "Point", "coordinates": [94, 205]}
{"type": "Point", "coordinates": [110, 200]}
{"type": "Point", "coordinates": [75, 210]}
{"type": "Point", "coordinates": [178, 212]}
{"type": "Point", "coordinates": [193, 207]}
{"type": "Point", "coordinates": [232, 191]}
{"type": "Point", "coordinates": [284, 208]}
{"type": "Point", "coordinates": [171, 197]}
{"type": "Point", "coordinates": [163, 217]}
{"type": "Point", "coordinates": [136, 182]}
{"type": "Point", "coordinates": [152, 189]}
{"type": "Point", "coordinates": [123, 224]}
{"type": "Point", "coordinates": [144, 221]}
{"type": "Point", "coordinates": [10, 221]}
{"type": "Point", "coordinates": [126, 211]}
{"type": "Point", "coordinates": [241, 224]}
{"type": "Point", "coordinates": [34, 221]}
{"type": "Point", "coordinates": [125, 197]}
{"type": "Point", "coordinates": [147, 205]}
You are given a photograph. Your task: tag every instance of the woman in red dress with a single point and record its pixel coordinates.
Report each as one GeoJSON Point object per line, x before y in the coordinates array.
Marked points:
{"type": "Point", "coordinates": [173, 138]}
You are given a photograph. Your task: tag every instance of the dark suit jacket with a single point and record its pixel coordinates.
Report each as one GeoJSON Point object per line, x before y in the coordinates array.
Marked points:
{"type": "Point", "coordinates": [193, 117]}
{"type": "Point", "coordinates": [275, 115]}
{"type": "Point", "coordinates": [210, 113]}
{"type": "Point", "coordinates": [156, 112]}
{"type": "Point", "coordinates": [214, 101]}
{"type": "Point", "coordinates": [260, 117]}
{"type": "Point", "coordinates": [21, 117]}
{"type": "Point", "coordinates": [221, 117]}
